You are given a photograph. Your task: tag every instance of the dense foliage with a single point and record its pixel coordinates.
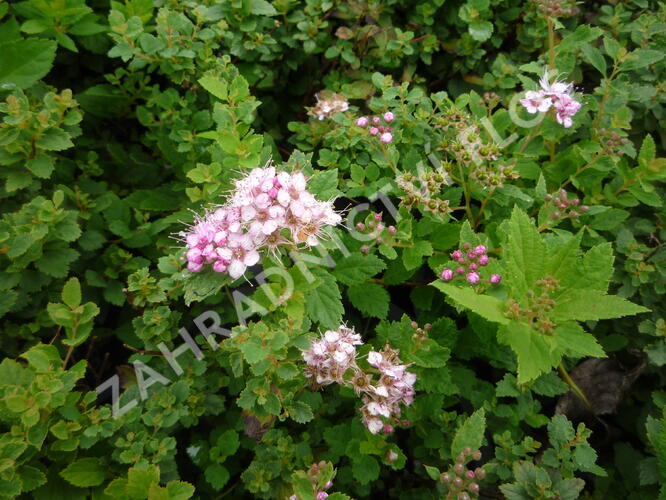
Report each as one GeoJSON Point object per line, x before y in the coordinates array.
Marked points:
{"type": "Point", "coordinates": [321, 248]}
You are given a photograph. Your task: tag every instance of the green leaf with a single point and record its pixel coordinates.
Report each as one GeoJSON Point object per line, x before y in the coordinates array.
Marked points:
{"type": "Point", "coordinates": [300, 412]}
{"type": "Point", "coordinates": [24, 62]}
{"type": "Point", "coordinates": [536, 352]}
{"type": "Point", "coordinates": [412, 257]}
{"type": "Point", "coordinates": [324, 184]}
{"type": "Point", "coordinates": [41, 165]}
{"type": "Point", "coordinates": [31, 478]}
{"type": "Point", "coordinates": [640, 58]}
{"type": "Point", "coordinates": [484, 305]}
{"type": "Point", "coordinates": [576, 341]}
{"type": "Point", "coordinates": [215, 86]}
{"type": "Point", "coordinates": [179, 490]}
{"type": "Point", "coordinates": [583, 35]}
{"type": "Point", "coordinates": [262, 8]}
{"type": "Point", "coordinates": [71, 293]}
{"type": "Point", "coordinates": [217, 476]}
{"type": "Point", "coordinates": [595, 58]}
{"type": "Point", "coordinates": [54, 139]}
{"type": "Point", "coordinates": [140, 480]}
{"type": "Point", "coordinates": [429, 354]}
{"type": "Point", "coordinates": [356, 268]}
{"type": "Point", "coordinates": [564, 260]}
{"type": "Point", "coordinates": [324, 304]}
{"type": "Point", "coordinates": [42, 357]}
{"type": "Point", "coordinates": [583, 305]}
{"type": "Point", "coordinates": [365, 469]}
{"type": "Point", "coordinates": [470, 433]}
{"type": "Point", "coordinates": [481, 30]}
{"type": "Point", "coordinates": [525, 252]}
{"type": "Point", "coordinates": [433, 472]}
{"type": "Point", "coordinates": [56, 260]}
{"type": "Point", "coordinates": [647, 152]}
{"type": "Point", "coordinates": [85, 472]}
{"type": "Point", "coordinates": [370, 298]}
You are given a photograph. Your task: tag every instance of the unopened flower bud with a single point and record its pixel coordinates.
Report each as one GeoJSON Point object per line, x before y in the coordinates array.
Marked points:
{"type": "Point", "coordinates": [322, 495]}
{"type": "Point", "coordinates": [457, 482]}
{"type": "Point", "coordinates": [473, 277]}
{"type": "Point", "coordinates": [373, 130]}
{"type": "Point", "coordinates": [495, 279]}
{"type": "Point", "coordinates": [445, 477]}
{"type": "Point", "coordinates": [388, 117]}
{"type": "Point", "coordinates": [447, 275]}
{"type": "Point", "coordinates": [463, 496]}
{"type": "Point", "coordinates": [460, 270]}
{"type": "Point", "coordinates": [391, 229]}
{"type": "Point", "coordinates": [473, 487]}
{"type": "Point", "coordinates": [360, 226]}
{"type": "Point", "coordinates": [362, 122]}
{"type": "Point", "coordinates": [365, 249]}
{"type": "Point", "coordinates": [386, 137]}
{"type": "Point", "coordinates": [477, 454]}
{"type": "Point", "coordinates": [480, 473]}
{"type": "Point", "coordinates": [376, 120]}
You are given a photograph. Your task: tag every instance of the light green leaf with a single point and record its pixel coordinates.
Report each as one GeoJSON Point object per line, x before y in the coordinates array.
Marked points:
{"type": "Point", "coordinates": [647, 152]}
{"type": "Point", "coordinates": [536, 352]}
{"type": "Point", "coordinates": [583, 305]}
{"type": "Point", "coordinates": [571, 337]}
{"type": "Point", "coordinates": [262, 8]}
{"type": "Point", "coordinates": [525, 252]}
{"type": "Point", "coordinates": [215, 86]}
{"type": "Point", "coordinates": [481, 30]}
{"type": "Point", "coordinates": [324, 184]}
{"type": "Point", "coordinates": [71, 293]}
{"type": "Point", "coordinates": [484, 305]}
{"type": "Point", "coordinates": [470, 433]}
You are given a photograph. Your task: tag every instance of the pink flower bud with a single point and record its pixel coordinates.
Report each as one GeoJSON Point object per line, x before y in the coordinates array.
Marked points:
{"type": "Point", "coordinates": [495, 279]}
{"type": "Point", "coordinates": [447, 275]}
{"type": "Point", "coordinates": [381, 128]}
{"type": "Point", "coordinates": [328, 485]}
{"type": "Point", "coordinates": [388, 117]}
{"type": "Point", "coordinates": [470, 474]}
{"type": "Point", "coordinates": [388, 429]}
{"type": "Point", "coordinates": [460, 270]}
{"type": "Point", "coordinates": [480, 250]}
{"type": "Point", "coordinates": [373, 130]}
{"type": "Point", "coordinates": [473, 267]}
{"type": "Point", "coordinates": [483, 260]}
{"type": "Point", "coordinates": [456, 254]}
{"type": "Point", "coordinates": [471, 255]}
{"type": "Point", "coordinates": [473, 277]}
{"type": "Point", "coordinates": [273, 193]}
{"type": "Point", "coordinates": [322, 495]}
{"type": "Point", "coordinates": [376, 120]}
{"type": "Point", "coordinates": [391, 229]}
{"type": "Point", "coordinates": [362, 122]}
{"type": "Point", "coordinates": [378, 217]}
{"type": "Point", "coordinates": [386, 137]}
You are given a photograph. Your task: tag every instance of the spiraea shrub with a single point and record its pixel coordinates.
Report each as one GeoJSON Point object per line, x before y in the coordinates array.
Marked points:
{"type": "Point", "coordinates": [310, 249]}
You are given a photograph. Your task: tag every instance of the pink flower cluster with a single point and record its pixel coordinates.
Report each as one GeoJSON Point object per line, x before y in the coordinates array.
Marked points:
{"type": "Point", "coordinates": [266, 209]}
{"type": "Point", "coordinates": [329, 358]}
{"type": "Point", "coordinates": [382, 131]}
{"type": "Point", "coordinates": [558, 95]}
{"type": "Point", "coordinates": [333, 359]}
{"type": "Point", "coordinates": [395, 387]}
{"type": "Point", "coordinates": [470, 261]}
